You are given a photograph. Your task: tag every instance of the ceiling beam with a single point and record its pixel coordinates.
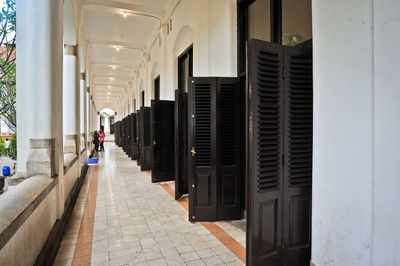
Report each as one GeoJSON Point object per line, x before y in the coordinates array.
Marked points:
{"type": "Point", "coordinates": [118, 44]}
{"type": "Point", "coordinates": [135, 9]}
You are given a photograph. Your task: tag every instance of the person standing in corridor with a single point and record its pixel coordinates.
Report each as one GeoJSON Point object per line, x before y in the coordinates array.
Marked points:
{"type": "Point", "coordinates": [101, 139]}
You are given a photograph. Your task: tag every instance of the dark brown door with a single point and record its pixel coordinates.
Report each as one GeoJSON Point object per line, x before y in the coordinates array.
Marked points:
{"type": "Point", "coordinates": [214, 142]}
{"type": "Point", "coordinates": [265, 150]}
{"type": "Point", "coordinates": [279, 146]}
{"type": "Point", "coordinates": [157, 88]}
{"type": "Point", "coordinates": [298, 135]}
{"type": "Point", "coordinates": [162, 132]}
{"type": "Point", "coordinates": [145, 139]}
{"type": "Point", "coordinates": [202, 160]}
{"type": "Point", "coordinates": [181, 144]}
{"type": "Point", "coordinates": [138, 114]}
{"type": "Point", "coordinates": [228, 148]}
{"type": "Point", "coordinates": [134, 148]}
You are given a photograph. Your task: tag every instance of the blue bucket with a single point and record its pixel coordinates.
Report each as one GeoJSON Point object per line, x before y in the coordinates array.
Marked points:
{"type": "Point", "coordinates": [92, 160]}
{"type": "Point", "coordinates": [6, 170]}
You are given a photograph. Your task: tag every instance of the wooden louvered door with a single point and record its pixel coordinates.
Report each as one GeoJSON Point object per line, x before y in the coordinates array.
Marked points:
{"type": "Point", "coordinates": [181, 144]}
{"type": "Point", "coordinates": [134, 148]}
{"type": "Point", "coordinates": [129, 133]}
{"type": "Point", "coordinates": [228, 149]}
{"type": "Point", "coordinates": [162, 132]}
{"type": "Point", "coordinates": [145, 139]}
{"type": "Point", "coordinates": [298, 155]}
{"type": "Point", "coordinates": [202, 161]}
{"type": "Point", "coordinates": [138, 115]}
{"type": "Point", "coordinates": [264, 149]}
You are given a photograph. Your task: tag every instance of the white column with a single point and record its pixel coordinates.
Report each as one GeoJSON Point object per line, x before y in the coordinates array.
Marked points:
{"type": "Point", "coordinates": [343, 148]}
{"type": "Point", "coordinates": [88, 120]}
{"type": "Point", "coordinates": [82, 112]}
{"type": "Point", "coordinates": [39, 86]}
{"type": "Point", "coordinates": [70, 99]}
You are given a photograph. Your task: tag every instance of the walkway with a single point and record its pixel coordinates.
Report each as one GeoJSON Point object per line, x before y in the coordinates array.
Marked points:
{"type": "Point", "coordinates": [121, 218]}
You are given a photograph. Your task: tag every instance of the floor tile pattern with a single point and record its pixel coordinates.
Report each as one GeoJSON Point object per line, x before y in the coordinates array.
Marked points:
{"type": "Point", "coordinates": [139, 223]}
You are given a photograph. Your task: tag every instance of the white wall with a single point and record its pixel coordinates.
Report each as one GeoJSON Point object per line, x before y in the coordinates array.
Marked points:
{"type": "Point", "coordinates": [386, 197]}
{"type": "Point", "coordinates": [356, 186]}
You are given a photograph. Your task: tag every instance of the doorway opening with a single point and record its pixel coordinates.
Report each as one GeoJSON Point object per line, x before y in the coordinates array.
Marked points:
{"type": "Point", "coordinates": [185, 70]}
{"type": "Point", "coordinates": [142, 98]}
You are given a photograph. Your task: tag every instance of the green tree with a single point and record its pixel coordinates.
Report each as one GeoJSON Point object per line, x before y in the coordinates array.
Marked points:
{"type": "Point", "coordinates": [3, 150]}
{"type": "Point", "coordinates": [12, 149]}
{"type": "Point", "coordinates": [7, 64]}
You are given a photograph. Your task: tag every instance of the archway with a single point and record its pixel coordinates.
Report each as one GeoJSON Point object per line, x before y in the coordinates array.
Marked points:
{"type": "Point", "coordinates": [107, 120]}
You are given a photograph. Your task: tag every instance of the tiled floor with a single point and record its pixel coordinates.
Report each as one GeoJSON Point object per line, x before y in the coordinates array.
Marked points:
{"type": "Point", "coordinates": [139, 223]}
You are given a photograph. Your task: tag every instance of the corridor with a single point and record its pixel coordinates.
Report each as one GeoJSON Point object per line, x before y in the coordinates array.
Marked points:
{"type": "Point", "coordinates": [128, 220]}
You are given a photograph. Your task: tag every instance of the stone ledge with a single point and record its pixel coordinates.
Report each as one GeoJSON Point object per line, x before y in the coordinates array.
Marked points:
{"type": "Point", "coordinates": [18, 204]}
{"type": "Point", "coordinates": [69, 160]}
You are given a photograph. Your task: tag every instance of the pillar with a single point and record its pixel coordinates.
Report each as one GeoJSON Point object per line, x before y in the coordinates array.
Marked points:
{"type": "Point", "coordinates": [88, 119]}
{"type": "Point", "coordinates": [83, 109]}
{"type": "Point", "coordinates": [70, 99]}
{"type": "Point", "coordinates": [356, 133]}
{"type": "Point", "coordinates": [39, 86]}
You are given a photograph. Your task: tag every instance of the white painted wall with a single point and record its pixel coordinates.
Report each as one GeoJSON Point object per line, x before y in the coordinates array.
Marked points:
{"type": "Point", "coordinates": [386, 197]}
{"type": "Point", "coordinates": [356, 185]}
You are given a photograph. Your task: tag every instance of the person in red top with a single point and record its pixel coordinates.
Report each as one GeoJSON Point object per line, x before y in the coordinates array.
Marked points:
{"type": "Point", "coordinates": [101, 139]}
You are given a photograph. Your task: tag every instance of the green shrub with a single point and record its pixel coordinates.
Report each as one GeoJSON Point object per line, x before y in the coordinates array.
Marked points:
{"type": "Point", "coordinates": [12, 148]}
{"type": "Point", "coordinates": [3, 150]}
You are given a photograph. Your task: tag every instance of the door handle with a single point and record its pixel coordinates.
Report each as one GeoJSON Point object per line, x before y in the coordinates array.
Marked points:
{"type": "Point", "coordinates": [193, 151]}
{"type": "Point", "coordinates": [154, 142]}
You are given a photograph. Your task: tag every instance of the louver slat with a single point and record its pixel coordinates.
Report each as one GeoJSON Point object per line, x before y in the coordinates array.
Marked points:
{"type": "Point", "coordinates": [228, 124]}
{"type": "Point", "coordinates": [300, 103]}
{"type": "Point", "coordinates": [203, 124]}
{"type": "Point", "coordinates": [269, 120]}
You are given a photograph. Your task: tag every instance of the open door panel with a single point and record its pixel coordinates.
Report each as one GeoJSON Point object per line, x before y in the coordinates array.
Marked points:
{"type": "Point", "coordinates": [145, 139]}
{"type": "Point", "coordinates": [298, 135]}
{"type": "Point", "coordinates": [139, 144]}
{"type": "Point", "coordinates": [162, 132]}
{"type": "Point", "coordinates": [134, 148]}
{"type": "Point", "coordinates": [214, 141]}
{"type": "Point", "coordinates": [181, 144]}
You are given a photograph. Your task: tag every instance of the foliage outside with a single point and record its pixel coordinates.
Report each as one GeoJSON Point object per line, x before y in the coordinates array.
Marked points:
{"type": "Point", "coordinates": [7, 64]}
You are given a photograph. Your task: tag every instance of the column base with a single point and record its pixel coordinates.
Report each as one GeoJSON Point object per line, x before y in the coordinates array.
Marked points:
{"type": "Point", "coordinates": [82, 142]}
{"type": "Point", "coordinates": [70, 143]}
{"type": "Point", "coordinates": [41, 157]}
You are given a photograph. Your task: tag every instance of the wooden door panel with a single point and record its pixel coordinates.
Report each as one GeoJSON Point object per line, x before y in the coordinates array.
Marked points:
{"type": "Point", "coordinates": [162, 113]}
{"type": "Point", "coordinates": [202, 161]}
{"type": "Point", "coordinates": [228, 151]}
{"type": "Point", "coordinates": [139, 145]}
{"type": "Point", "coordinates": [181, 144]}
{"type": "Point", "coordinates": [264, 148]}
{"type": "Point", "coordinates": [298, 155]}
{"type": "Point", "coordinates": [145, 142]}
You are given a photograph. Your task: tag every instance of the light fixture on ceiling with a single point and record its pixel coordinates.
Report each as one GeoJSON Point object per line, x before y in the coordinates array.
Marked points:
{"type": "Point", "coordinates": [114, 67]}
{"type": "Point", "coordinates": [124, 14]}
{"type": "Point", "coordinates": [111, 79]}
{"type": "Point", "coordinates": [117, 49]}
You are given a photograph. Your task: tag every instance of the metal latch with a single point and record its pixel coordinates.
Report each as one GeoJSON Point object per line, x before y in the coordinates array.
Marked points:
{"type": "Point", "coordinates": [193, 151]}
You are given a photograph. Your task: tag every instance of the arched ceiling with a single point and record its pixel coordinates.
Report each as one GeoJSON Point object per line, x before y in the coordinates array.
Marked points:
{"type": "Point", "coordinates": [116, 34]}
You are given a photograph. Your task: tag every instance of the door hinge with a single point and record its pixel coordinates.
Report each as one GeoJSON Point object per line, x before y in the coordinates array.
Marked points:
{"type": "Point", "coordinates": [283, 72]}
{"type": "Point", "coordinates": [283, 243]}
{"type": "Point", "coordinates": [193, 116]}
{"type": "Point", "coordinates": [154, 142]}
